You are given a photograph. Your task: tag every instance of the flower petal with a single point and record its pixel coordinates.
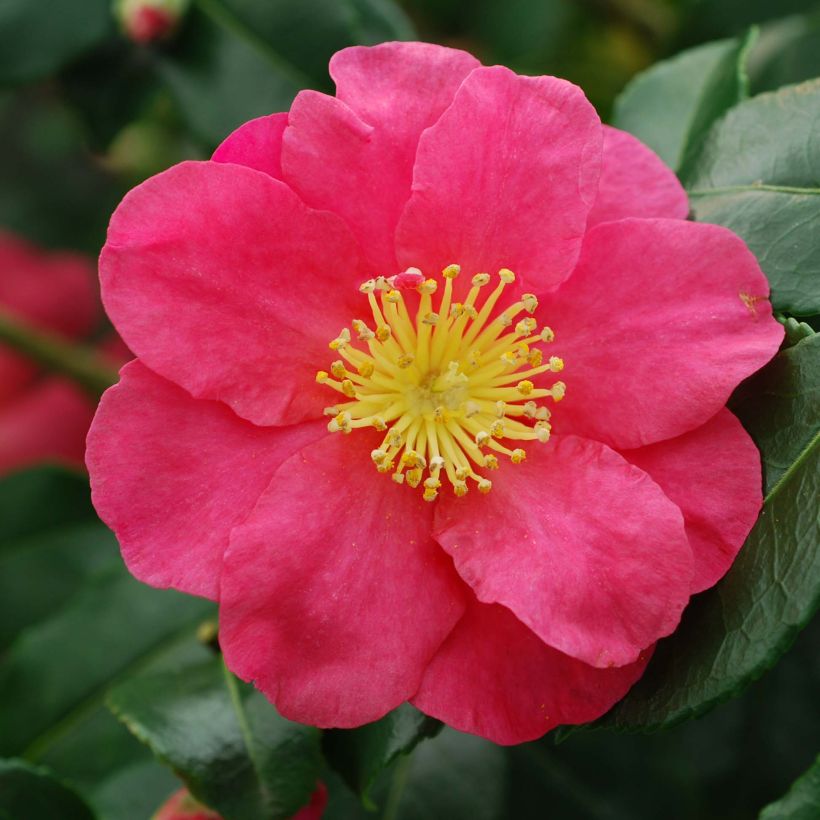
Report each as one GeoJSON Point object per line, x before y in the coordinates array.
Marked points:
{"type": "Point", "coordinates": [172, 475]}
{"type": "Point", "coordinates": [658, 324]}
{"type": "Point", "coordinates": [582, 546]}
{"type": "Point", "coordinates": [353, 154]}
{"type": "Point", "coordinates": [45, 422]}
{"type": "Point", "coordinates": [635, 182]}
{"type": "Point", "coordinates": [334, 596]}
{"type": "Point", "coordinates": [713, 475]}
{"type": "Point", "coordinates": [256, 144]}
{"type": "Point", "coordinates": [505, 178]}
{"type": "Point", "coordinates": [221, 280]}
{"type": "Point", "coordinates": [495, 678]}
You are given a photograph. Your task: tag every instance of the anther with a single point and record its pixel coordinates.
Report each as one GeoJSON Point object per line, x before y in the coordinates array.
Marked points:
{"type": "Point", "coordinates": [481, 279]}
{"type": "Point", "coordinates": [405, 360]}
{"type": "Point", "coordinates": [525, 387]}
{"type": "Point", "coordinates": [322, 376]}
{"type": "Point", "coordinates": [518, 455]}
{"type": "Point", "coordinates": [556, 364]}
{"type": "Point", "coordinates": [348, 389]}
{"type": "Point", "coordinates": [451, 271]}
{"type": "Point", "coordinates": [559, 390]}
{"type": "Point", "coordinates": [337, 368]}
{"type": "Point", "coordinates": [530, 301]}
{"type": "Point", "coordinates": [506, 276]}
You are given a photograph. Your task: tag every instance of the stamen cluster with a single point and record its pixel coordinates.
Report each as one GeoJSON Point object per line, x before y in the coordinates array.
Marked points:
{"type": "Point", "coordinates": [446, 388]}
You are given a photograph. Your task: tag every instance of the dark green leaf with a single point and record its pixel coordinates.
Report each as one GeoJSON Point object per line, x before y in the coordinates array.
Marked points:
{"type": "Point", "coordinates": [50, 541]}
{"type": "Point", "coordinates": [780, 407]}
{"type": "Point", "coordinates": [730, 635]}
{"type": "Point", "coordinates": [31, 793]}
{"type": "Point", "coordinates": [135, 791]}
{"type": "Point", "coordinates": [788, 52]}
{"type": "Point", "coordinates": [221, 78]}
{"type": "Point", "coordinates": [239, 59]}
{"type": "Point", "coordinates": [306, 34]}
{"type": "Point", "coordinates": [452, 777]}
{"type": "Point", "coordinates": [37, 38]}
{"type": "Point", "coordinates": [40, 499]}
{"type": "Point", "coordinates": [802, 802]}
{"type": "Point", "coordinates": [796, 330]}
{"type": "Point", "coordinates": [233, 750]}
{"type": "Point", "coordinates": [59, 669]}
{"type": "Point", "coordinates": [672, 105]}
{"type": "Point", "coordinates": [360, 755]}
{"type": "Point", "coordinates": [759, 174]}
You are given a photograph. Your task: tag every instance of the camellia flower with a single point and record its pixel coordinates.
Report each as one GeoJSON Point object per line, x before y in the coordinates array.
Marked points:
{"type": "Point", "coordinates": [430, 396]}
{"type": "Point", "coordinates": [43, 417]}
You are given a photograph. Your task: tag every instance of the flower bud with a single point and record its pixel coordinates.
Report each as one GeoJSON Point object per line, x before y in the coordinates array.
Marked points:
{"type": "Point", "coordinates": [146, 21]}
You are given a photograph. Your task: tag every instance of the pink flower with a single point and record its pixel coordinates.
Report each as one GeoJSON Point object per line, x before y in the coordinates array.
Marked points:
{"type": "Point", "coordinates": [563, 538]}
{"type": "Point", "coordinates": [43, 417]}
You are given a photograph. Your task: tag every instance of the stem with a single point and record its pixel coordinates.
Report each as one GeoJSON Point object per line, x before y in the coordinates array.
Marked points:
{"type": "Point", "coordinates": [398, 783]}
{"type": "Point", "coordinates": [79, 362]}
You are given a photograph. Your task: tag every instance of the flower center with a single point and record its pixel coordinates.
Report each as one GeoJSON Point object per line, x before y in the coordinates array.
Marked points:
{"type": "Point", "coordinates": [448, 389]}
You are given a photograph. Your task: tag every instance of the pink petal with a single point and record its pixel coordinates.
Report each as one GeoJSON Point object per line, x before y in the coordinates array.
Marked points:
{"type": "Point", "coordinates": [635, 182]}
{"type": "Point", "coordinates": [713, 475]}
{"type": "Point", "coordinates": [221, 280]}
{"type": "Point", "coordinates": [172, 475]}
{"type": "Point", "coordinates": [658, 324]}
{"type": "Point", "coordinates": [583, 547]}
{"type": "Point", "coordinates": [53, 291]}
{"type": "Point", "coordinates": [44, 422]}
{"type": "Point", "coordinates": [256, 144]}
{"type": "Point", "coordinates": [495, 678]}
{"type": "Point", "coordinates": [353, 154]}
{"type": "Point", "coordinates": [505, 178]}
{"type": "Point", "coordinates": [334, 596]}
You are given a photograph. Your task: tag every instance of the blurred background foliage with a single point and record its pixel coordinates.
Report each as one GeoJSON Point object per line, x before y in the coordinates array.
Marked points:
{"type": "Point", "coordinates": [87, 110]}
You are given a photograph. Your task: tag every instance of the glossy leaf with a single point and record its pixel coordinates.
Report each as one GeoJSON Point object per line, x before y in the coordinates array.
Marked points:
{"type": "Point", "coordinates": [788, 52]}
{"type": "Point", "coordinates": [802, 802]}
{"type": "Point", "coordinates": [54, 671]}
{"type": "Point", "coordinates": [230, 746]}
{"type": "Point", "coordinates": [38, 38]}
{"type": "Point", "coordinates": [672, 105]}
{"type": "Point", "coordinates": [759, 174]}
{"type": "Point", "coordinates": [452, 777]}
{"type": "Point", "coordinates": [239, 59]}
{"type": "Point", "coordinates": [730, 635]}
{"type": "Point", "coordinates": [360, 755]}
{"type": "Point", "coordinates": [31, 793]}
{"type": "Point", "coordinates": [48, 534]}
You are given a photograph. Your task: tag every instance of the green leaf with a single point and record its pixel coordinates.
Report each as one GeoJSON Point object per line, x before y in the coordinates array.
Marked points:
{"type": "Point", "coordinates": [134, 791]}
{"type": "Point", "coordinates": [239, 59]}
{"type": "Point", "coordinates": [235, 753]}
{"type": "Point", "coordinates": [759, 174]}
{"type": "Point", "coordinates": [672, 105]}
{"type": "Point", "coordinates": [31, 793]}
{"type": "Point", "coordinates": [50, 542]}
{"type": "Point", "coordinates": [787, 52]}
{"type": "Point", "coordinates": [730, 635]}
{"type": "Point", "coordinates": [38, 38]}
{"type": "Point", "coordinates": [801, 802]}
{"type": "Point", "coordinates": [796, 330]}
{"type": "Point", "coordinates": [780, 407]}
{"type": "Point", "coordinates": [58, 670]}
{"type": "Point", "coordinates": [452, 777]}
{"type": "Point", "coordinates": [360, 755]}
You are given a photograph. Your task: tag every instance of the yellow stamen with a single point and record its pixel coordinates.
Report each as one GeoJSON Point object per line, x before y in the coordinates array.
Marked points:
{"type": "Point", "coordinates": [447, 387]}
